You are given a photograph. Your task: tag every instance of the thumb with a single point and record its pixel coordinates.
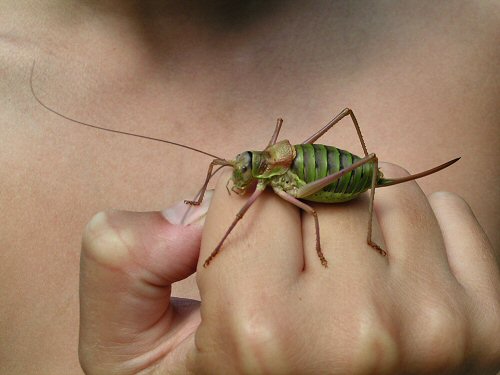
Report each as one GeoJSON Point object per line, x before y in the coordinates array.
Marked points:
{"type": "Point", "coordinates": [128, 262]}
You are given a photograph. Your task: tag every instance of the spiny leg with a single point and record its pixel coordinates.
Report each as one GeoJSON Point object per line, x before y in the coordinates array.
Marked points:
{"type": "Point", "coordinates": [258, 191]}
{"type": "Point", "coordinates": [312, 211]}
{"type": "Point", "coordinates": [317, 185]}
{"type": "Point", "coordinates": [340, 116]}
{"type": "Point", "coordinates": [277, 129]}
{"type": "Point", "coordinates": [370, 210]}
{"type": "Point", "coordinates": [203, 189]}
{"type": "Point", "coordinates": [189, 207]}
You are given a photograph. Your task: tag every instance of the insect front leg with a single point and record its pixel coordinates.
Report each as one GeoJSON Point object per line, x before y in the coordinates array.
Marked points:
{"type": "Point", "coordinates": [336, 119]}
{"type": "Point", "coordinates": [201, 193]}
{"type": "Point", "coordinates": [308, 209]}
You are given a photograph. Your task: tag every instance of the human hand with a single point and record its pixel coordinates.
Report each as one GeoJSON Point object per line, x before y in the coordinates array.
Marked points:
{"type": "Point", "coordinates": [270, 307]}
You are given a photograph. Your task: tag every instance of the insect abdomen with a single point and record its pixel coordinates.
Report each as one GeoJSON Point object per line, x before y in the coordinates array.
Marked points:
{"type": "Point", "coordinates": [314, 161]}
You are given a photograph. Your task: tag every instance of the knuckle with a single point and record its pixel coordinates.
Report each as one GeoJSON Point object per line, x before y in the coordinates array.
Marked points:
{"type": "Point", "coordinates": [103, 243]}
{"type": "Point", "coordinates": [449, 198]}
{"type": "Point", "coordinates": [259, 344]}
{"type": "Point", "coordinates": [252, 343]}
{"type": "Point", "coordinates": [393, 170]}
{"type": "Point", "coordinates": [376, 347]}
{"type": "Point", "coordinates": [443, 341]}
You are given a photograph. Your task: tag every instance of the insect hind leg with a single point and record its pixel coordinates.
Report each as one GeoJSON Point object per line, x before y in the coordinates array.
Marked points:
{"type": "Point", "coordinates": [335, 120]}
{"type": "Point", "coordinates": [277, 129]}
{"type": "Point", "coordinates": [317, 185]}
{"type": "Point", "coordinates": [370, 210]}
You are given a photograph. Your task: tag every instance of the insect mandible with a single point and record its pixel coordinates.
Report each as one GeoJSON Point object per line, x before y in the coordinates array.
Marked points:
{"type": "Point", "coordinates": [296, 173]}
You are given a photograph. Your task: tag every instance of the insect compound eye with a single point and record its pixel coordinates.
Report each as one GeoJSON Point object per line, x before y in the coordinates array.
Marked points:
{"type": "Point", "coordinates": [244, 161]}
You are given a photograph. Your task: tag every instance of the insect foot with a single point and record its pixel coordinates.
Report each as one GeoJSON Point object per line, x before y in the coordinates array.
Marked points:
{"type": "Point", "coordinates": [324, 262]}
{"type": "Point", "coordinates": [192, 203]}
{"type": "Point", "coordinates": [378, 248]}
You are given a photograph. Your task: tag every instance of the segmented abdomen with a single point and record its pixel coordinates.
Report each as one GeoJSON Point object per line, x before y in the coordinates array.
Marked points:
{"type": "Point", "coordinates": [314, 161]}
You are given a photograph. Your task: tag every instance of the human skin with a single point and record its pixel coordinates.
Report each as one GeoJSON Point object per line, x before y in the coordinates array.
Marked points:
{"type": "Point", "coordinates": [418, 76]}
{"type": "Point", "coordinates": [270, 307]}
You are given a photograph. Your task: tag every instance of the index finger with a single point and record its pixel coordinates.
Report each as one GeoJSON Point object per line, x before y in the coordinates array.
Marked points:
{"type": "Point", "coordinates": [265, 247]}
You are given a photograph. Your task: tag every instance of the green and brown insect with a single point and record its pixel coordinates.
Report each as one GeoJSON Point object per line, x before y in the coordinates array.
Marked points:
{"type": "Point", "coordinates": [307, 172]}
{"type": "Point", "coordinates": [296, 173]}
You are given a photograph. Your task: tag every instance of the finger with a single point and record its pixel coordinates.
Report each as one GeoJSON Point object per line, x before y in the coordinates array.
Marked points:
{"type": "Point", "coordinates": [469, 251]}
{"type": "Point", "coordinates": [128, 262]}
{"type": "Point", "coordinates": [410, 228]}
{"type": "Point", "coordinates": [264, 248]}
{"type": "Point", "coordinates": [184, 214]}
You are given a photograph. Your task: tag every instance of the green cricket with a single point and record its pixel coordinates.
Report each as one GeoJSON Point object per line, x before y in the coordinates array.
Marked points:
{"type": "Point", "coordinates": [307, 172]}
{"type": "Point", "coordinates": [296, 173]}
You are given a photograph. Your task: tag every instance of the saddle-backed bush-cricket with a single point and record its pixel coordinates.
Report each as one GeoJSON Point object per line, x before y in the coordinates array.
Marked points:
{"type": "Point", "coordinates": [296, 173]}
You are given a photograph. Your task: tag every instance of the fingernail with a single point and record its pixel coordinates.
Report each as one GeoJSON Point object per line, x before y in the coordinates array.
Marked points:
{"type": "Point", "coordinates": [183, 214]}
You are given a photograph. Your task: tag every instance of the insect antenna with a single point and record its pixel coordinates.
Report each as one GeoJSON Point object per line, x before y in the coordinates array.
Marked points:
{"type": "Point", "coordinates": [107, 129]}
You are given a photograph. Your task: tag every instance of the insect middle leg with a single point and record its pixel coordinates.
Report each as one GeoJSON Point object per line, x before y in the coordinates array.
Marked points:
{"type": "Point", "coordinates": [336, 119]}
{"type": "Point", "coordinates": [312, 211]}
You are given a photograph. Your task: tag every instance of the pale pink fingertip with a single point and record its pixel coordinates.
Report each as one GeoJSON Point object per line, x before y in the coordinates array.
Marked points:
{"type": "Point", "coordinates": [183, 214]}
